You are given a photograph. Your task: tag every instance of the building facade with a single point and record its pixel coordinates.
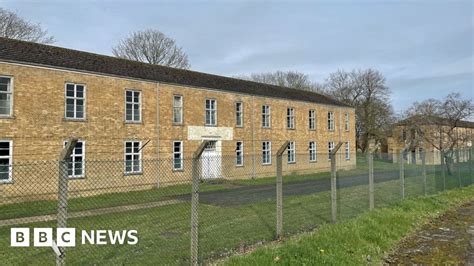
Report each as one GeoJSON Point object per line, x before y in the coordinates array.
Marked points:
{"type": "Point", "coordinates": [146, 121]}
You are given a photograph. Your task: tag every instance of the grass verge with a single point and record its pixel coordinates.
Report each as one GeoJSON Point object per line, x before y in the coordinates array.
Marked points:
{"type": "Point", "coordinates": [362, 240]}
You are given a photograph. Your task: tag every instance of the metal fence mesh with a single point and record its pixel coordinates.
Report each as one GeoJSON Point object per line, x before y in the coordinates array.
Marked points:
{"type": "Point", "coordinates": [237, 205]}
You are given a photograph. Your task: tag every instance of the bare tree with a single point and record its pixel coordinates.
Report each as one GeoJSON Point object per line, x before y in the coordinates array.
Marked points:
{"type": "Point", "coordinates": [438, 123]}
{"type": "Point", "coordinates": [14, 27]}
{"type": "Point", "coordinates": [154, 47]}
{"type": "Point", "coordinates": [365, 90]}
{"type": "Point", "coordinates": [290, 79]}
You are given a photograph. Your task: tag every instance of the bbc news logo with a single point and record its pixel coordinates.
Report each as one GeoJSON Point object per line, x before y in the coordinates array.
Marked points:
{"type": "Point", "coordinates": [66, 237]}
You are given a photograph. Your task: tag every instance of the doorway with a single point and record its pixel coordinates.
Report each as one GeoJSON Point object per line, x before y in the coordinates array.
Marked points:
{"type": "Point", "coordinates": [211, 161]}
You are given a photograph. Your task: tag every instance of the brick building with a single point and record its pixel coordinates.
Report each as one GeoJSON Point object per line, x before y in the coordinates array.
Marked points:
{"type": "Point", "coordinates": [133, 113]}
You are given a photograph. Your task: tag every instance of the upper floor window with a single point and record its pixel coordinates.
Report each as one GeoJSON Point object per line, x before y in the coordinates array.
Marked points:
{"type": "Point", "coordinates": [5, 161]}
{"type": "Point", "coordinates": [133, 106]}
{"type": "Point", "coordinates": [75, 101]}
{"type": "Point", "coordinates": [211, 112]}
{"type": "Point", "coordinates": [239, 114]}
{"type": "Point", "coordinates": [239, 153]}
{"type": "Point", "coordinates": [330, 148]}
{"type": "Point", "coordinates": [266, 116]}
{"type": "Point", "coordinates": [347, 151]}
{"type": "Point", "coordinates": [177, 109]}
{"type": "Point", "coordinates": [346, 122]}
{"type": "Point", "coordinates": [312, 151]}
{"type": "Point", "coordinates": [75, 168]}
{"type": "Point", "coordinates": [267, 152]}
{"type": "Point", "coordinates": [177, 155]}
{"type": "Point", "coordinates": [312, 119]}
{"type": "Point", "coordinates": [331, 121]}
{"type": "Point", "coordinates": [6, 96]}
{"type": "Point", "coordinates": [133, 157]}
{"type": "Point", "coordinates": [291, 152]}
{"type": "Point", "coordinates": [290, 118]}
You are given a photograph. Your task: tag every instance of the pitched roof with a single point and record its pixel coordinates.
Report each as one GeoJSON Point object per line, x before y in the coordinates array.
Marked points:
{"type": "Point", "coordinates": [432, 120]}
{"type": "Point", "coordinates": [46, 55]}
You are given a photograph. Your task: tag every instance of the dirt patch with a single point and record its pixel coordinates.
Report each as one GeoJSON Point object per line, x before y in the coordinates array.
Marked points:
{"type": "Point", "coordinates": [445, 240]}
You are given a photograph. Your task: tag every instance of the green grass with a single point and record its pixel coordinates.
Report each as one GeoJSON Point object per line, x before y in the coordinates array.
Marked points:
{"type": "Point", "coordinates": [357, 241]}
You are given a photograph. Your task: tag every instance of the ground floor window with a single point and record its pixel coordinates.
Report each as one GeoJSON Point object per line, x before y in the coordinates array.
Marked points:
{"type": "Point", "coordinates": [312, 151]}
{"type": "Point", "coordinates": [133, 157]}
{"type": "Point", "coordinates": [291, 152]}
{"type": "Point", "coordinates": [239, 153]}
{"type": "Point", "coordinates": [5, 161]}
{"type": "Point", "coordinates": [177, 155]}
{"type": "Point", "coordinates": [75, 168]}
{"type": "Point", "coordinates": [347, 151]}
{"type": "Point", "coordinates": [330, 149]}
{"type": "Point", "coordinates": [266, 152]}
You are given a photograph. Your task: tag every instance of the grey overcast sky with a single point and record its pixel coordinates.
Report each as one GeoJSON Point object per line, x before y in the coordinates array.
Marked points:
{"type": "Point", "coordinates": [424, 48]}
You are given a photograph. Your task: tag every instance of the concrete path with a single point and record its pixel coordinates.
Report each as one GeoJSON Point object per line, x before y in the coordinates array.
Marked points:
{"type": "Point", "coordinates": [88, 213]}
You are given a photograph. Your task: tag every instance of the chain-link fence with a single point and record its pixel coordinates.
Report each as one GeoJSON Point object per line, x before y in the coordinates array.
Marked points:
{"type": "Point", "coordinates": [235, 203]}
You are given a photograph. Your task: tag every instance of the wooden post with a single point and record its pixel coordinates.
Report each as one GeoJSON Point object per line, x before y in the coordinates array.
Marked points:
{"type": "Point", "coordinates": [402, 175]}
{"type": "Point", "coordinates": [333, 182]}
{"type": "Point", "coordinates": [64, 159]}
{"type": "Point", "coordinates": [195, 204]}
{"type": "Point", "coordinates": [423, 162]}
{"type": "Point", "coordinates": [279, 189]}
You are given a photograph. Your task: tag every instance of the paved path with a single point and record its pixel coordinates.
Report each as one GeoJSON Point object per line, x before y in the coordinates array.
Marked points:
{"type": "Point", "coordinates": [87, 213]}
{"type": "Point", "coordinates": [470, 257]}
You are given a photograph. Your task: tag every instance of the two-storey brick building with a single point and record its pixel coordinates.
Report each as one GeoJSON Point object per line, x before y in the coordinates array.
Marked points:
{"type": "Point", "coordinates": [134, 114]}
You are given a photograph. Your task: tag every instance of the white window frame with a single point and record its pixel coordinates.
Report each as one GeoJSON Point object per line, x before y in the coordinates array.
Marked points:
{"type": "Point", "coordinates": [133, 103]}
{"type": "Point", "coordinates": [72, 165]}
{"type": "Point", "coordinates": [347, 150]}
{"type": "Point", "coordinates": [75, 99]}
{"type": "Point", "coordinates": [212, 112]}
{"type": "Point", "coordinates": [133, 172]}
{"type": "Point", "coordinates": [178, 108]}
{"type": "Point", "coordinates": [180, 154]}
{"type": "Point", "coordinates": [290, 118]}
{"type": "Point", "coordinates": [239, 152]}
{"type": "Point", "coordinates": [266, 152]}
{"type": "Point", "coordinates": [10, 161]}
{"type": "Point", "coordinates": [239, 114]}
{"type": "Point", "coordinates": [266, 116]}
{"type": "Point", "coordinates": [312, 151]}
{"type": "Point", "coordinates": [291, 152]}
{"type": "Point", "coordinates": [312, 119]}
{"type": "Point", "coordinates": [331, 147]}
{"type": "Point", "coordinates": [346, 122]}
{"type": "Point", "coordinates": [331, 121]}
{"type": "Point", "coordinates": [8, 92]}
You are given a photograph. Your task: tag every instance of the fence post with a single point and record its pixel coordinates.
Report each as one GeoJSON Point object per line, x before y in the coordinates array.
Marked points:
{"type": "Point", "coordinates": [423, 162]}
{"type": "Point", "coordinates": [402, 174]}
{"type": "Point", "coordinates": [470, 164]}
{"type": "Point", "coordinates": [64, 159]}
{"type": "Point", "coordinates": [443, 169]}
{"type": "Point", "coordinates": [195, 204]}
{"type": "Point", "coordinates": [333, 182]}
{"type": "Point", "coordinates": [370, 160]}
{"type": "Point", "coordinates": [279, 189]}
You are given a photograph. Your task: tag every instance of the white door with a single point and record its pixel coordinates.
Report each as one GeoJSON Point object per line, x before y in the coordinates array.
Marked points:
{"type": "Point", "coordinates": [211, 161]}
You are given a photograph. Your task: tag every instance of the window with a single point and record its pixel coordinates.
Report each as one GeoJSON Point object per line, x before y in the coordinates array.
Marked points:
{"type": "Point", "coordinates": [239, 153]}
{"type": "Point", "coordinates": [178, 109]}
{"type": "Point", "coordinates": [312, 119]}
{"type": "Point", "coordinates": [346, 121]}
{"type": "Point", "coordinates": [331, 121]}
{"type": "Point", "coordinates": [290, 118]}
{"type": "Point", "coordinates": [291, 152]}
{"type": "Point", "coordinates": [266, 116]}
{"type": "Point", "coordinates": [266, 152]}
{"type": "Point", "coordinates": [330, 149]}
{"type": "Point", "coordinates": [133, 107]}
{"type": "Point", "coordinates": [239, 114]}
{"type": "Point", "coordinates": [177, 155]}
{"type": "Point", "coordinates": [312, 151]}
{"type": "Point", "coordinates": [133, 157]}
{"type": "Point", "coordinates": [75, 168]}
{"type": "Point", "coordinates": [6, 96]}
{"type": "Point", "coordinates": [347, 151]}
{"type": "Point", "coordinates": [211, 112]}
{"type": "Point", "coordinates": [5, 161]}
{"type": "Point", "coordinates": [75, 101]}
